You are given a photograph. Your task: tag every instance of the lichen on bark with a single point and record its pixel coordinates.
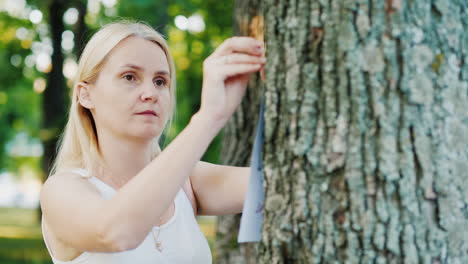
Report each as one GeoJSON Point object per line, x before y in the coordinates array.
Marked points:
{"type": "Point", "coordinates": [365, 143]}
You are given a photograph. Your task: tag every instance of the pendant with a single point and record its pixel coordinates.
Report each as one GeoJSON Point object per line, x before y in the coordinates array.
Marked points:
{"type": "Point", "coordinates": [159, 246]}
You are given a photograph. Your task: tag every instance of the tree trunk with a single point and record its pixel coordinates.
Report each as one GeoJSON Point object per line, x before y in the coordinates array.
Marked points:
{"type": "Point", "coordinates": [56, 93]}
{"type": "Point", "coordinates": [238, 137]}
{"type": "Point", "coordinates": [81, 29]}
{"type": "Point", "coordinates": [365, 155]}
{"type": "Point", "coordinates": [55, 96]}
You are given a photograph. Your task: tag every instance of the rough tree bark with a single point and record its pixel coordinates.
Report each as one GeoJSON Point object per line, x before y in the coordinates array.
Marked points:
{"type": "Point", "coordinates": [238, 136]}
{"type": "Point", "coordinates": [365, 154]}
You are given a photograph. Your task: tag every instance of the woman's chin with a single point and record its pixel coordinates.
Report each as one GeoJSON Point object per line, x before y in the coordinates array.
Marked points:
{"type": "Point", "coordinates": [148, 134]}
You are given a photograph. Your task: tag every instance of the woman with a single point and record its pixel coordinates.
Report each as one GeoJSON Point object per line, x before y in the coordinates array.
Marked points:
{"type": "Point", "coordinates": [113, 196]}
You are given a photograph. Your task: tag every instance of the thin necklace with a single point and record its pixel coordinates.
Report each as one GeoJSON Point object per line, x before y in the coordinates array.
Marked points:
{"type": "Point", "coordinates": [157, 242]}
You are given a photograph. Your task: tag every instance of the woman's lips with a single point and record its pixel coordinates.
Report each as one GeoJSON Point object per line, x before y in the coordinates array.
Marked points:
{"type": "Point", "coordinates": [149, 112]}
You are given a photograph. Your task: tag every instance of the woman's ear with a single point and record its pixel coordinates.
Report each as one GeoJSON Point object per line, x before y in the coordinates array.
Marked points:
{"type": "Point", "coordinates": [84, 97]}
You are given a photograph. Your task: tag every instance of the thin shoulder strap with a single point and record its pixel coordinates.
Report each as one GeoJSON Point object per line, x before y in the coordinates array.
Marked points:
{"type": "Point", "coordinates": [82, 172]}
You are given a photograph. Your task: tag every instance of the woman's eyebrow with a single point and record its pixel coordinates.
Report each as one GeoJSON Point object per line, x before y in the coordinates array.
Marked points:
{"type": "Point", "coordinates": [138, 68]}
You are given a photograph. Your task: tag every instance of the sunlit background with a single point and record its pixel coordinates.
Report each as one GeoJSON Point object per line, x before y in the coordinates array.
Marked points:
{"type": "Point", "coordinates": [192, 27]}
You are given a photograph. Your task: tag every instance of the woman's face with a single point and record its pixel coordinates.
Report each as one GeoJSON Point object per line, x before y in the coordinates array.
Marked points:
{"type": "Point", "coordinates": [131, 96]}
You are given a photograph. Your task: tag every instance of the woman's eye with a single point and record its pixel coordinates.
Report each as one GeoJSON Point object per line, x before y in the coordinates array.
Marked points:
{"type": "Point", "coordinates": [160, 82]}
{"type": "Point", "coordinates": [129, 77]}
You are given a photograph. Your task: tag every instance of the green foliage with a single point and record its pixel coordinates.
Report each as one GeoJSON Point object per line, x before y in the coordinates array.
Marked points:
{"type": "Point", "coordinates": [189, 51]}
{"type": "Point", "coordinates": [19, 104]}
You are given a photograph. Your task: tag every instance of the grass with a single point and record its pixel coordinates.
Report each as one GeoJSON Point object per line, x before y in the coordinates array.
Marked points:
{"type": "Point", "coordinates": [21, 237]}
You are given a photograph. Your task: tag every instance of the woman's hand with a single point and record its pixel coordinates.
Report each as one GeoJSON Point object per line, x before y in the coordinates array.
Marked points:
{"type": "Point", "coordinates": [225, 76]}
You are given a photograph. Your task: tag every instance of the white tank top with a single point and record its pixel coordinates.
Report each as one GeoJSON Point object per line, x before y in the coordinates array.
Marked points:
{"type": "Point", "coordinates": [181, 238]}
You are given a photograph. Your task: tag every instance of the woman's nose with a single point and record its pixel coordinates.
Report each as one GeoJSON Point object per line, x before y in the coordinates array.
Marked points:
{"type": "Point", "coordinates": [149, 92]}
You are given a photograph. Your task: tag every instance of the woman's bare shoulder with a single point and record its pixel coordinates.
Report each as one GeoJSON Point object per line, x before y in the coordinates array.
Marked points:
{"type": "Point", "coordinates": [62, 195]}
{"type": "Point", "coordinates": [66, 184]}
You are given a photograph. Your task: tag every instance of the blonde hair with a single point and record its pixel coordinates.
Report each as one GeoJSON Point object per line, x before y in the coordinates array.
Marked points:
{"type": "Point", "coordinates": [79, 146]}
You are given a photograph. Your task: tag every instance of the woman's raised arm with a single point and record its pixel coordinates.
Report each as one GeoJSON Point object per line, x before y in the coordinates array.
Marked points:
{"type": "Point", "coordinates": [85, 221]}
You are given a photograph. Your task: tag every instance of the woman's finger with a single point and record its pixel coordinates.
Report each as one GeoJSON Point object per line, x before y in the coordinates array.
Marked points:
{"type": "Point", "coordinates": [240, 45]}
{"type": "Point", "coordinates": [237, 69]}
{"type": "Point", "coordinates": [241, 58]}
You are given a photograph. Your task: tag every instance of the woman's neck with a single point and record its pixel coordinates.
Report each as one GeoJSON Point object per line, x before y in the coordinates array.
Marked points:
{"type": "Point", "coordinates": [123, 159]}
